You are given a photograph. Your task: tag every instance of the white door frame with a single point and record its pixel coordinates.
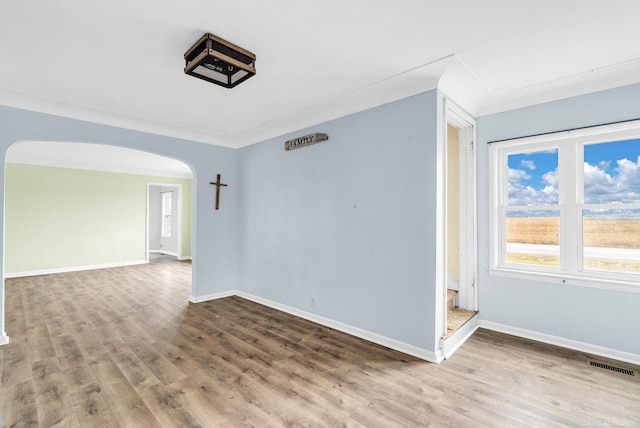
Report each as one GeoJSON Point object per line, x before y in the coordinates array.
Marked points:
{"type": "Point", "coordinates": [178, 188]}
{"type": "Point", "coordinates": [468, 292]}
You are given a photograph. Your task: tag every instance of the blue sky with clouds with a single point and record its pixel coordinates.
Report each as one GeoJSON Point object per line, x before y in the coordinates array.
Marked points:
{"type": "Point", "coordinates": [611, 174]}
{"type": "Point", "coordinates": [533, 178]}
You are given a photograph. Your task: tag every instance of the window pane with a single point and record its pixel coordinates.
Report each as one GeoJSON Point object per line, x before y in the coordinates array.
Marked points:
{"type": "Point", "coordinates": [533, 178]}
{"type": "Point", "coordinates": [166, 202]}
{"type": "Point", "coordinates": [166, 227]}
{"type": "Point", "coordinates": [611, 240]}
{"type": "Point", "coordinates": [612, 172]}
{"type": "Point", "coordinates": [166, 214]}
{"type": "Point", "coordinates": [533, 237]}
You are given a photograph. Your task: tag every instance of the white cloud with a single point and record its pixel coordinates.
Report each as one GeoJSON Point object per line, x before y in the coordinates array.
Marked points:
{"type": "Point", "coordinates": [529, 164]}
{"type": "Point", "coordinates": [517, 175]}
{"type": "Point", "coordinates": [525, 195]}
{"type": "Point", "coordinates": [622, 185]}
{"type": "Point", "coordinates": [551, 191]}
{"type": "Point", "coordinates": [551, 178]}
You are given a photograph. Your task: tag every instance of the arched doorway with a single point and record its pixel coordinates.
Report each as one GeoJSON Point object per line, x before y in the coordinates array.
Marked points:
{"type": "Point", "coordinates": [78, 206]}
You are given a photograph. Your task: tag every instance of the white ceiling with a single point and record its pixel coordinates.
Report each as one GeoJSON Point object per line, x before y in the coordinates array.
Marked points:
{"type": "Point", "coordinates": [121, 62]}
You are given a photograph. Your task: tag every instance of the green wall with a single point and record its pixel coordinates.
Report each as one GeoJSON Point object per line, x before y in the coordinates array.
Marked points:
{"type": "Point", "coordinates": [60, 218]}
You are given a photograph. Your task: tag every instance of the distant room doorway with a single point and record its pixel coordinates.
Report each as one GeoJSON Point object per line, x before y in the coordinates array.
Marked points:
{"type": "Point", "coordinates": [460, 220]}
{"type": "Point", "coordinates": [164, 222]}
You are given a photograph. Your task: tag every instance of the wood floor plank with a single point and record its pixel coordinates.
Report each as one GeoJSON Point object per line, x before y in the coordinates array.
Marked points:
{"type": "Point", "coordinates": [39, 341]}
{"type": "Point", "coordinates": [159, 365]}
{"type": "Point", "coordinates": [184, 356]}
{"type": "Point", "coordinates": [324, 387]}
{"type": "Point", "coordinates": [16, 363]}
{"type": "Point", "coordinates": [203, 398]}
{"type": "Point", "coordinates": [246, 334]}
{"type": "Point", "coordinates": [72, 362]}
{"type": "Point", "coordinates": [163, 401]}
{"type": "Point", "coordinates": [53, 403]}
{"type": "Point", "coordinates": [505, 401]}
{"type": "Point", "coordinates": [15, 314]}
{"type": "Point", "coordinates": [92, 409]}
{"type": "Point", "coordinates": [124, 347]}
{"type": "Point", "coordinates": [18, 405]}
{"type": "Point", "coordinates": [458, 404]}
{"type": "Point", "coordinates": [212, 402]}
{"type": "Point", "coordinates": [127, 405]}
{"type": "Point", "coordinates": [132, 367]}
{"type": "Point", "coordinates": [87, 341]}
{"type": "Point", "coordinates": [477, 394]}
{"type": "Point", "coordinates": [105, 370]}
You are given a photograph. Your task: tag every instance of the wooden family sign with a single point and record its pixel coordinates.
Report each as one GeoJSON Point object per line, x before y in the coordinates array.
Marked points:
{"type": "Point", "coordinates": [307, 140]}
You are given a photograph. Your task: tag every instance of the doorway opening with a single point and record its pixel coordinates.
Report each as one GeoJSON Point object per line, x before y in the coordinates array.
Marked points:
{"type": "Point", "coordinates": [73, 206]}
{"type": "Point", "coordinates": [460, 229]}
{"type": "Point", "coordinates": [164, 221]}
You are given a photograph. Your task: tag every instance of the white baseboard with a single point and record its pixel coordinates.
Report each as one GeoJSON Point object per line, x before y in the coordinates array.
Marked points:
{"type": "Point", "coordinates": [214, 296]}
{"type": "Point", "coordinates": [170, 254]}
{"type": "Point", "coordinates": [406, 348]}
{"type": "Point", "coordinates": [587, 348]}
{"type": "Point", "coordinates": [4, 339]}
{"type": "Point", "coordinates": [166, 253]}
{"type": "Point", "coordinates": [457, 339]}
{"type": "Point", "coordinates": [72, 269]}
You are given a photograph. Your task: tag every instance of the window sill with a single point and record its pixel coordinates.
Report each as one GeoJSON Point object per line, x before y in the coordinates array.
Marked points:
{"type": "Point", "coordinates": [578, 281]}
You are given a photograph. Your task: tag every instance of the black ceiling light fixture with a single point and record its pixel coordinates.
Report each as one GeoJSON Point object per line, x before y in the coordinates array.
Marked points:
{"type": "Point", "coordinates": [218, 61]}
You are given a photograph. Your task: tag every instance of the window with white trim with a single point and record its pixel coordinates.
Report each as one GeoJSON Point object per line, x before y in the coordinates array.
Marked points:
{"type": "Point", "coordinates": [166, 214]}
{"type": "Point", "coordinates": [566, 206]}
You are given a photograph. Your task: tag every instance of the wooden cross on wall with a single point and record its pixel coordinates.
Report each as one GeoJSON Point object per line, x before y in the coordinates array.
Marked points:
{"type": "Point", "coordinates": [217, 183]}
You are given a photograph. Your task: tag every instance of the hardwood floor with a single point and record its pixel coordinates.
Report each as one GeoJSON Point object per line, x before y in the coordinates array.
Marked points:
{"type": "Point", "coordinates": [124, 347]}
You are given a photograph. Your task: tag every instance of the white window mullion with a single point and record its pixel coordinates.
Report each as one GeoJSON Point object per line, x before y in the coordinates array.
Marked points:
{"type": "Point", "coordinates": [579, 165]}
{"type": "Point", "coordinates": [568, 172]}
{"type": "Point", "coordinates": [497, 164]}
{"type": "Point", "coordinates": [502, 208]}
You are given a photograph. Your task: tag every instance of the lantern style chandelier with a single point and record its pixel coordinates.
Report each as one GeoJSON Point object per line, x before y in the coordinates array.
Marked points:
{"type": "Point", "coordinates": [218, 61]}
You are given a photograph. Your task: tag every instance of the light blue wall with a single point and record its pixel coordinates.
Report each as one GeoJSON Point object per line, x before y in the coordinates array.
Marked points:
{"type": "Point", "coordinates": [214, 232]}
{"type": "Point", "coordinates": [593, 316]}
{"type": "Point", "coordinates": [346, 228]}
